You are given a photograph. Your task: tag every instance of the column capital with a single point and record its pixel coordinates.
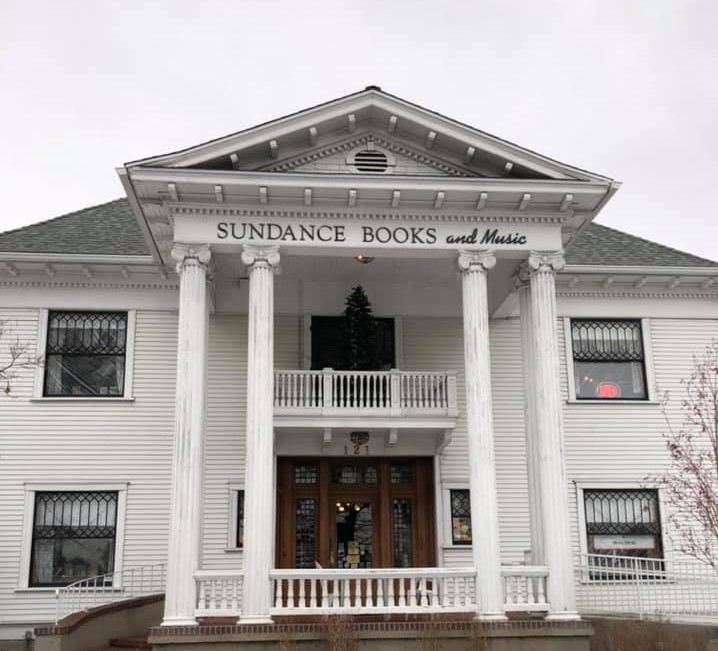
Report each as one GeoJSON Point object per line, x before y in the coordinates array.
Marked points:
{"type": "Point", "coordinates": [546, 261]}
{"type": "Point", "coordinates": [522, 275]}
{"type": "Point", "coordinates": [193, 254]}
{"type": "Point", "coordinates": [470, 261]}
{"type": "Point", "coordinates": [267, 256]}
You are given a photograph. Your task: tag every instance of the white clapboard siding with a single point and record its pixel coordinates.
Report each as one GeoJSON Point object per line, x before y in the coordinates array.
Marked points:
{"type": "Point", "coordinates": [437, 345]}
{"type": "Point", "coordinates": [90, 443]}
{"type": "Point", "coordinates": [624, 443]}
{"type": "Point", "coordinates": [226, 413]}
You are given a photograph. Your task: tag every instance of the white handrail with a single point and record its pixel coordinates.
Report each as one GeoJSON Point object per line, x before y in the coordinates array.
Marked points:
{"type": "Point", "coordinates": [367, 591]}
{"type": "Point", "coordinates": [219, 592]}
{"type": "Point", "coordinates": [93, 591]}
{"type": "Point", "coordinates": [525, 588]}
{"type": "Point", "coordinates": [646, 587]}
{"type": "Point", "coordinates": [394, 391]}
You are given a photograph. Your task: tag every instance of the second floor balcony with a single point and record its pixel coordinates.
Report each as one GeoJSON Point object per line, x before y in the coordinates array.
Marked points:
{"type": "Point", "coordinates": [371, 393]}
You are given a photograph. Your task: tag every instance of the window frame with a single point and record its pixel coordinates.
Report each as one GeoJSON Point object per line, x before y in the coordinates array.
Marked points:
{"type": "Point", "coordinates": [648, 370]}
{"type": "Point", "coordinates": [41, 351]}
{"type": "Point", "coordinates": [233, 492]}
{"type": "Point", "coordinates": [29, 521]}
{"type": "Point", "coordinates": [663, 513]}
{"type": "Point", "coordinates": [447, 538]}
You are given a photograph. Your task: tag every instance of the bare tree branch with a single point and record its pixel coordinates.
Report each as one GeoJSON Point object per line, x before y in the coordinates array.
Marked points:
{"type": "Point", "coordinates": [18, 357]}
{"type": "Point", "coordinates": [690, 481]}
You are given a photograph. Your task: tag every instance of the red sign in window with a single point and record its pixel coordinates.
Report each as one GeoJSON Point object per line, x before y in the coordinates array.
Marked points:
{"type": "Point", "coordinates": [608, 390]}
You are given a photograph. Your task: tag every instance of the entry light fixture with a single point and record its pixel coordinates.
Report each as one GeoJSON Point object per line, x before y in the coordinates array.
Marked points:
{"type": "Point", "coordinates": [363, 259]}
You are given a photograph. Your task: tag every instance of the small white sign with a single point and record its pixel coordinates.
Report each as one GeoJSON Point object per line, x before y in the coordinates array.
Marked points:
{"type": "Point", "coordinates": [623, 543]}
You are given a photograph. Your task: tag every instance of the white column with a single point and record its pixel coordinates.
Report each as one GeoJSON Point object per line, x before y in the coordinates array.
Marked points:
{"type": "Point", "coordinates": [532, 458]}
{"type": "Point", "coordinates": [474, 268]}
{"type": "Point", "coordinates": [548, 430]}
{"type": "Point", "coordinates": [262, 264]}
{"type": "Point", "coordinates": [187, 472]}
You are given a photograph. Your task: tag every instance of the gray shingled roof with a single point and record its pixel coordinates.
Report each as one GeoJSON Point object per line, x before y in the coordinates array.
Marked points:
{"type": "Point", "coordinates": [107, 229]}
{"type": "Point", "coordinates": [111, 228]}
{"type": "Point", "coordinates": [601, 245]}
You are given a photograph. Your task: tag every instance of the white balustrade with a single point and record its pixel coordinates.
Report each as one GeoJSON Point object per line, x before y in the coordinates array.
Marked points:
{"type": "Point", "coordinates": [356, 591]}
{"type": "Point", "coordinates": [94, 591]}
{"type": "Point", "coordinates": [380, 392]}
{"type": "Point", "coordinates": [218, 593]}
{"type": "Point", "coordinates": [525, 588]}
{"type": "Point", "coordinates": [682, 590]}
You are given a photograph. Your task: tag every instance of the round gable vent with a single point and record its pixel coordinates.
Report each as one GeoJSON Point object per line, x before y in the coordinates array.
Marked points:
{"type": "Point", "coordinates": [371, 160]}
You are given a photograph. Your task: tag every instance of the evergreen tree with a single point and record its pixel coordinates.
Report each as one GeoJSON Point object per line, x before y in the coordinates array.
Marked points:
{"type": "Point", "coordinates": [360, 333]}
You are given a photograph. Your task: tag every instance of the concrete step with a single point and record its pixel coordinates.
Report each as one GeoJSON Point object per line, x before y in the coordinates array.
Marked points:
{"type": "Point", "coordinates": [139, 643]}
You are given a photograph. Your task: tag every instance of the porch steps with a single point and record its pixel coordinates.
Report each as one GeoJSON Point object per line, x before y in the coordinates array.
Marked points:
{"type": "Point", "coordinates": [128, 644]}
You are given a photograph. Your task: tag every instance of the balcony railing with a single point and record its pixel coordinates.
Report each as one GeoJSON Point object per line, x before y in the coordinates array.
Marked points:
{"type": "Point", "coordinates": [381, 393]}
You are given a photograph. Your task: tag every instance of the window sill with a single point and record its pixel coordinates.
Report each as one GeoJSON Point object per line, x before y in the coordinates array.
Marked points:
{"type": "Point", "coordinates": [82, 399]}
{"type": "Point", "coordinates": [234, 550]}
{"type": "Point", "coordinates": [612, 402]}
{"type": "Point", "coordinates": [457, 547]}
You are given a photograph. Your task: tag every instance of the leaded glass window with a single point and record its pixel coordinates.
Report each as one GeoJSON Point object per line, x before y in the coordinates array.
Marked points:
{"type": "Point", "coordinates": [402, 473]}
{"type": "Point", "coordinates": [460, 517]}
{"type": "Point", "coordinates": [73, 536]}
{"type": "Point", "coordinates": [306, 473]}
{"type": "Point", "coordinates": [354, 475]}
{"type": "Point", "coordinates": [608, 359]}
{"type": "Point", "coordinates": [85, 354]}
{"type": "Point", "coordinates": [623, 522]}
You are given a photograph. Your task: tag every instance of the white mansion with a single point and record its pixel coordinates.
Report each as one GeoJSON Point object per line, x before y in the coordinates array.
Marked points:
{"type": "Point", "coordinates": [196, 429]}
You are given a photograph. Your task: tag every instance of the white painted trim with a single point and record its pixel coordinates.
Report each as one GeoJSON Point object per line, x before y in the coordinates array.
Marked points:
{"type": "Point", "coordinates": [604, 270]}
{"type": "Point", "coordinates": [438, 513]}
{"type": "Point", "coordinates": [648, 369]}
{"type": "Point", "coordinates": [583, 485]}
{"type": "Point", "coordinates": [41, 344]}
{"type": "Point", "coordinates": [298, 180]}
{"type": "Point", "coordinates": [446, 531]}
{"type": "Point", "coordinates": [233, 489]}
{"type": "Point", "coordinates": [29, 520]}
{"type": "Point", "coordinates": [568, 354]}
{"type": "Point", "coordinates": [77, 258]}
{"type": "Point", "coordinates": [306, 341]}
{"type": "Point", "coordinates": [398, 342]}
{"type": "Point", "coordinates": [128, 389]}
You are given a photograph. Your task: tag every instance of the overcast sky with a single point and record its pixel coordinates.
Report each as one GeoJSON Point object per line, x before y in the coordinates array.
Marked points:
{"type": "Point", "coordinates": [625, 88]}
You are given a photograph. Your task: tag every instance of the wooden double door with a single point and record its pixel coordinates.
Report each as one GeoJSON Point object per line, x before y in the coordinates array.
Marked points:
{"type": "Point", "coordinates": [350, 512]}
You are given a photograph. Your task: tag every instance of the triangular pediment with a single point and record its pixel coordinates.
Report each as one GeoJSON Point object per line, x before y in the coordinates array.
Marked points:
{"type": "Point", "coordinates": [368, 152]}
{"type": "Point", "coordinates": [319, 139]}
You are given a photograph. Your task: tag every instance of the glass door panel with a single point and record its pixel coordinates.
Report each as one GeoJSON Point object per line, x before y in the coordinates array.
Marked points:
{"type": "Point", "coordinates": [354, 534]}
{"type": "Point", "coordinates": [306, 534]}
{"type": "Point", "coordinates": [402, 542]}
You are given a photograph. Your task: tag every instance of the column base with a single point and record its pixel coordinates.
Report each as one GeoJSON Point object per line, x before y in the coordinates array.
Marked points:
{"type": "Point", "coordinates": [179, 621]}
{"type": "Point", "coordinates": [563, 616]}
{"type": "Point", "coordinates": [255, 619]}
{"type": "Point", "coordinates": [492, 617]}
